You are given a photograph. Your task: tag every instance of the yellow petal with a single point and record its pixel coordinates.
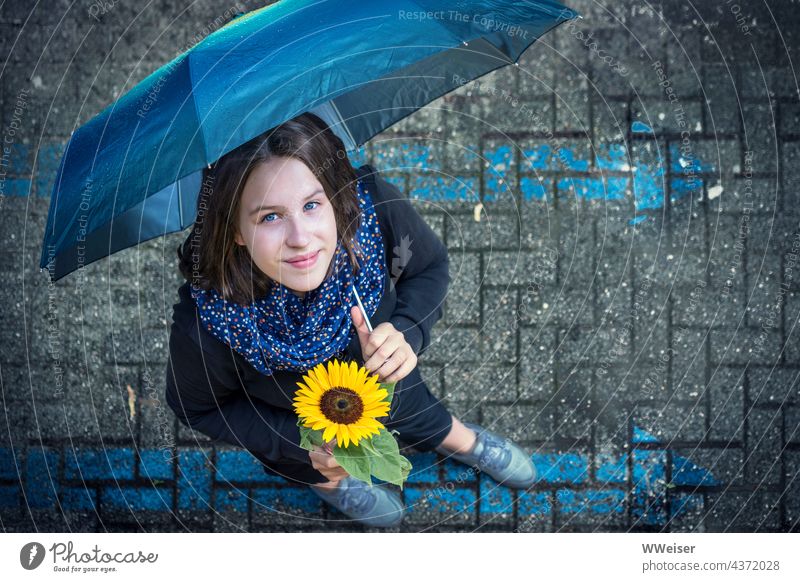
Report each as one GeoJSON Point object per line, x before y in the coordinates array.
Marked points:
{"type": "Point", "coordinates": [320, 375]}
{"type": "Point", "coordinates": [318, 382]}
{"type": "Point", "coordinates": [332, 375]}
{"type": "Point", "coordinates": [343, 436]}
{"type": "Point", "coordinates": [330, 432]}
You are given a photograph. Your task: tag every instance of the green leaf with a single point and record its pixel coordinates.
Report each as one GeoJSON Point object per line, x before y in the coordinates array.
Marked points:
{"type": "Point", "coordinates": [354, 460]}
{"type": "Point", "coordinates": [386, 462]}
{"type": "Point", "coordinates": [309, 438]}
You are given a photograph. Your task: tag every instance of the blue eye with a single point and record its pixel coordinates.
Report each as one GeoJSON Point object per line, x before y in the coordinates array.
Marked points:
{"type": "Point", "coordinates": [313, 202]}
{"type": "Point", "coordinates": [264, 218]}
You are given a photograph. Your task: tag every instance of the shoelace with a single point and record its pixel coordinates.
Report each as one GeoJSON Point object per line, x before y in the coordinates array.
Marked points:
{"type": "Point", "coordinates": [356, 498]}
{"type": "Point", "coordinates": [495, 455]}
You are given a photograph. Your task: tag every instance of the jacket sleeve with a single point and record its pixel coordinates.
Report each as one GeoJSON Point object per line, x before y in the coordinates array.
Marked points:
{"type": "Point", "coordinates": [419, 267]}
{"type": "Point", "coordinates": [205, 400]}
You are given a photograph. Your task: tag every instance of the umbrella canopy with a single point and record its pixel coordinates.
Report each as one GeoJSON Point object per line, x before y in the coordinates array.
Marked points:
{"type": "Point", "coordinates": [133, 172]}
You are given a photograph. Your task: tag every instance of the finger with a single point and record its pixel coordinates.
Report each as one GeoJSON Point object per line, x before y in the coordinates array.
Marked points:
{"type": "Point", "coordinates": [378, 337]}
{"type": "Point", "coordinates": [380, 356]}
{"type": "Point", "coordinates": [328, 447]}
{"type": "Point", "coordinates": [403, 371]}
{"type": "Point", "coordinates": [361, 328]}
{"type": "Point", "coordinates": [391, 365]}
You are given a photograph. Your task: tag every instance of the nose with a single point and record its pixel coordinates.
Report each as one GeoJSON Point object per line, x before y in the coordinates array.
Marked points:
{"type": "Point", "coordinates": [298, 232]}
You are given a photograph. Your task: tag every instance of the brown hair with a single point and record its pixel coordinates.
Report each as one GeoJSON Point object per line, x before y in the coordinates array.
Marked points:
{"type": "Point", "coordinates": [210, 258]}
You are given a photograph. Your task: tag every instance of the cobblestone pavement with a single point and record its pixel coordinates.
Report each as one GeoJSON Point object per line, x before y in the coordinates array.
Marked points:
{"type": "Point", "coordinates": [622, 220]}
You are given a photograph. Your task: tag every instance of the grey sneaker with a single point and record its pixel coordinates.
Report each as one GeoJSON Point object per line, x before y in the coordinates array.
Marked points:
{"type": "Point", "coordinates": [375, 505]}
{"type": "Point", "coordinates": [498, 457]}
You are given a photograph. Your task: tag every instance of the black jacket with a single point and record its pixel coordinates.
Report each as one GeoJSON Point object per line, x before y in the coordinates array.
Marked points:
{"type": "Point", "coordinates": [216, 391]}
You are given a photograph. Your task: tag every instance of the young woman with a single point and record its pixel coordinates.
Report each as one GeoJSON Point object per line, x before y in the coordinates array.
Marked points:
{"type": "Point", "coordinates": [285, 229]}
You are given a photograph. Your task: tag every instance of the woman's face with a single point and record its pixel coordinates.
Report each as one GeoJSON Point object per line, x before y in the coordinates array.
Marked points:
{"type": "Point", "coordinates": [284, 214]}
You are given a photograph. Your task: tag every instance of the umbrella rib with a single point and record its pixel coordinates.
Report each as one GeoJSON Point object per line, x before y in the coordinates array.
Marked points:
{"type": "Point", "coordinates": [343, 123]}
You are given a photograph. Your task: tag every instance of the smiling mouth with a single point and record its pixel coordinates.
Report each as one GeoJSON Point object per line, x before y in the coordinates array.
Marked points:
{"type": "Point", "coordinates": [305, 262]}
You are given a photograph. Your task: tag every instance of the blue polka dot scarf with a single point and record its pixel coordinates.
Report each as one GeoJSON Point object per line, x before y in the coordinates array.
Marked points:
{"type": "Point", "coordinates": [284, 332]}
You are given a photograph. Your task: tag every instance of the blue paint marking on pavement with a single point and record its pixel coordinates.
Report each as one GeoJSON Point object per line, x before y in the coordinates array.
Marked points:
{"type": "Point", "coordinates": [10, 464]}
{"type": "Point", "coordinates": [42, 485]}
{"type": "Point", "coordinates": [537, 157]}
{"type": "Point", "coordinates": [439, 188]}
{"type": "Point", "coordinates": [79, 498]}
{"type": "Point", "coordinates": [457, 493]}
{"type": "Point", "coordinates": [194, 480]}
{"type": "Point", "coordinates": [402, 155]}
{"type": "Point", "coordinates": [48, 161]}
{"type": "Point", "coordinates": [611, 468]}
{"type": "Point", "coordinates": [649, 499]}
{"type": "Point", "coordinates": [287, 499]}
{"type": "Point", "coordinates": [459, 473]}
{"type": "Point", "coordinates": [642, 436]}
{"type": "Point", "coordinates": [137, 498]}
{"type": "Point", "coordinates": [536, 188]}
{"type": "Point", "coordinates": [571, 161]}
{"type": "Point", "coordinates": [155, 464]}
{"type": "Point", "coordinates": [231, 500]}
{"type": "Point", "coordinates": [91, 464]}
{"type": "Point", "coordinates": [10, 496]}
{"type": "Point", "coordinates": [424, 468]}
{"type": "Point", "coordinates": [534, 503]}
{"type": "Point", "coordinates": [639, 127]}
{"type": "Point", "coordinates": [613, 157]}
{"type": "Point", "coordinates": [240, 466]}
{"type": "Point", "coordinates": [561, 468]}
{"type": "Point", "coordinates": [499, 159]}
{"type": "Point", "coordinates": [441, 499]}
{"type": "Point", "coordinates": [495, 499]}
{"type": "Point", "coordinates": [597, 501]}
{"type": "Point", "coordinates": [685, 472]}
{"type": "Point", "coordinates": [16, 187]}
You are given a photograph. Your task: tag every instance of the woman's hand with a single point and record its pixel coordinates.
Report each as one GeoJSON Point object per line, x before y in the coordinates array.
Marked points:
{"type": "Point", "coordinates": [385, 350]}
{"type": "Point", "coordinates": [322, 460]}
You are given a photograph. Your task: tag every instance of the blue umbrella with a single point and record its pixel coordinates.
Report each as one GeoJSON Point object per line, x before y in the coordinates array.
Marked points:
{"type": "Point", "coordinates": [133, 172]}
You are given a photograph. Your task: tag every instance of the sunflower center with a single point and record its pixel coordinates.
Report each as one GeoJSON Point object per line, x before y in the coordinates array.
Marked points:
{"type": "Point", "coordinates": [341, 405]}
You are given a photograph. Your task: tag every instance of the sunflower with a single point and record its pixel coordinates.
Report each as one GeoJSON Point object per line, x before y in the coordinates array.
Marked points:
{"type": "Point", "coordinates": [343, 399]}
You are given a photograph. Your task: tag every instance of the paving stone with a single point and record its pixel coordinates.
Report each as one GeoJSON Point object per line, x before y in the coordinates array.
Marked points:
{"type": "Point", "coordinates": [493, 231]}
{"type": "Point", "coordinates": [482, 381]}
{"type": "Point", "coordinates": [672, 423]}
{"type": "Point", "coordinates": [595, 510]}
{"type": "Point", "coordinates": [773, 387]}
{"type": "Point", "coordinates": [521, 423]}
{"type": "Point", "coordinates": [764, 444]}
{"type": "Point", "coordinates": [463, 297]}
{"type": "Point", "coordinates": [535, 512]}
{"type": "Point", "coordinates": [742, 511]}
{"type": "Point", "coordinates": [726, 391]}
{"type": "Point", "coordinates": [698, 468]}
{"type": "Point", "coordinates": [537, 363]}
{"type": "Point", "coordinates": [500, 312]}
{"type": "Point", "coordinates": [455, 344]}
{"type": "Point", "coordinates": [285, 508]}
{"type": "Point", "coordinates": [793, 487]}
{"type": "Point", "coordinates": [686, 511]}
